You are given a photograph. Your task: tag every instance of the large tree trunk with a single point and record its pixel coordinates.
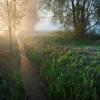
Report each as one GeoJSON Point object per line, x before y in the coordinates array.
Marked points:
{"type": "Point", "coordinates": [78, 13]}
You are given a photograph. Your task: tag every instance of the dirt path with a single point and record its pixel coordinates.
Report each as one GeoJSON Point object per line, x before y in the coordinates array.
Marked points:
{"type": "Point", "coordinates": [33, 85]}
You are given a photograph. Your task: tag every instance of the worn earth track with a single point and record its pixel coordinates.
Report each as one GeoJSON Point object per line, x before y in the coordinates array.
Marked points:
{"type": "Point", "coordinates": [34, 87]}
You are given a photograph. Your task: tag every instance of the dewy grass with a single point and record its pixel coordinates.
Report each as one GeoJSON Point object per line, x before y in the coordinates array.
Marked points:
{"type": "Point", "coordinates": [72, 74]}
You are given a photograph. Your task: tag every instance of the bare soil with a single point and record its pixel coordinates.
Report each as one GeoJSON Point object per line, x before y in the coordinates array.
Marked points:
{"type": "Point", "coordinates": [34, 87]}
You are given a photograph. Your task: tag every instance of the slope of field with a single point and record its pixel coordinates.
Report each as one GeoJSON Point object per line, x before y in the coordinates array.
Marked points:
{"type": "Point", "coordinates": [69, 69]}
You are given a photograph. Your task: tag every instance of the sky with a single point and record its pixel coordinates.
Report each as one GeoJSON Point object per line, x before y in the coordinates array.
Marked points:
{"type": "Point", "coordinates": [46, 26]}
{"type": "Point", "coordinates": [45, 23]}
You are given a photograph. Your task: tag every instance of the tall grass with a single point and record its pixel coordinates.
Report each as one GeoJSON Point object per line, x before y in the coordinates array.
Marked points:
{"type": "Point", "coordinates": [11, 83]}
{"type": "Point", "coordinates": [69, 74]}
{"type": "Point", "coordinates": [70, 69]}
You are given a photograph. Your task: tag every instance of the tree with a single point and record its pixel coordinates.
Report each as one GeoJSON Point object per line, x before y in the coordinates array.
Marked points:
{"type": "Point", "coordinates": [11, 14]}
{"type": "Point", "coordinates": [79, 15]}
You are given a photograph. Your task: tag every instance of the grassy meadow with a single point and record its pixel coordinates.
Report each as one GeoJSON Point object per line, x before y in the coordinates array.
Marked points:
{"type": "Point", "coordinates": [70, 69]}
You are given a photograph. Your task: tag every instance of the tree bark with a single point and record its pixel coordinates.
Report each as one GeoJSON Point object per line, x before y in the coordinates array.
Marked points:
{"type": "Point", "coordinates": [78, 11]}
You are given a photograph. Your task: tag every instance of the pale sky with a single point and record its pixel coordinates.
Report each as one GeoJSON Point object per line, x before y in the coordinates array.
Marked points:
{"type": "Point", "coordinates": [45, 23]}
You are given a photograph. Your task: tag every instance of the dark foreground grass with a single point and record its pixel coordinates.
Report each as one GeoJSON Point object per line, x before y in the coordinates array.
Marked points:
{"type": "Point", "coordinates": [11, 83]}
{"type": "Point", "coordinates": [70, 72]}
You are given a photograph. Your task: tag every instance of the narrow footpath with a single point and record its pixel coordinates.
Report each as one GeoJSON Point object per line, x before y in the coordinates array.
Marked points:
{"type": "Point", "coordinates": [33, 85]}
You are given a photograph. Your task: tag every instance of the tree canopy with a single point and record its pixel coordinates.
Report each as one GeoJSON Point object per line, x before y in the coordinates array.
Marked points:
{"type": "Point", "coordinates": [11, 14]}
{"type": "Point", "coordinates": [77, 15]}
